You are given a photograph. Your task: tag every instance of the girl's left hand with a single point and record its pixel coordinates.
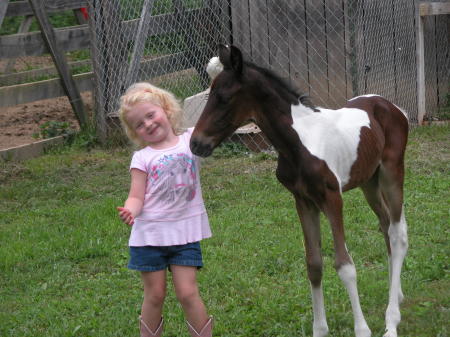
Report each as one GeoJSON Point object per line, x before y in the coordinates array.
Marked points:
{"type": "Point", "coordinates": [126, 216]}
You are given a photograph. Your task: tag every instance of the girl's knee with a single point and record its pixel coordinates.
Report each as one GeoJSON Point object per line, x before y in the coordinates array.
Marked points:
{"type": "Point", "coordinates": [155, 298]}
{"type": "Point", "coordinates": [188, 295]}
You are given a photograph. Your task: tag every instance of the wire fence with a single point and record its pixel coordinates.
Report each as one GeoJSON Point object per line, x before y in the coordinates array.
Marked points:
{"type": "Point", "coordinates": [330, 49]}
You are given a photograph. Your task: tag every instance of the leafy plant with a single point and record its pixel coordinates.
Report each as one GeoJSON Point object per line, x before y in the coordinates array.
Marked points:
{"type": "Point", "coordinates": [230, 149]}
{"type": "Point", "coordinates": [51, 129]}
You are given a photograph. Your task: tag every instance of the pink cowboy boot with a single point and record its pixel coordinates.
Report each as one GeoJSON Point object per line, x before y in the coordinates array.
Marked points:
{"type": "Point", "coordinates": [146, 332]}
{"type": "Point", "coordinates": [206, 331]}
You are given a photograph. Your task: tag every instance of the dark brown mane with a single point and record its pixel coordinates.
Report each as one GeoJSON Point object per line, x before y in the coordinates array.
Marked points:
{"type": "Point", "coordinates": [286, 89]}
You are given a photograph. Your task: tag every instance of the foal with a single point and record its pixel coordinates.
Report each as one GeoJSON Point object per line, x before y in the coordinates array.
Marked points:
{"type": "Point", "coordinates": [321, 153]}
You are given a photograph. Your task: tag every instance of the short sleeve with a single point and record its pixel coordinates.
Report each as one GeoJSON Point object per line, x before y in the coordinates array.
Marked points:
{"type": "Point", "coordinates": [138, 162]}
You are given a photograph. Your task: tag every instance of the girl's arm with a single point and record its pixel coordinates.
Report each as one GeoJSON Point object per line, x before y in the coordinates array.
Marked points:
{"type": "Point", "coordinates": [133, 205]}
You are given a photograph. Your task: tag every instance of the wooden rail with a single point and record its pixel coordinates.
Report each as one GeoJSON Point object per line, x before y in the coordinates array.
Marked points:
{"type": "Point", "coordinates": [424, 9]}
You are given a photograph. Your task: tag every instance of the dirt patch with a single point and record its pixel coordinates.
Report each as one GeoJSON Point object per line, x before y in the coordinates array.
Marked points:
{"type": "Point", "coordinates": [19, 123]}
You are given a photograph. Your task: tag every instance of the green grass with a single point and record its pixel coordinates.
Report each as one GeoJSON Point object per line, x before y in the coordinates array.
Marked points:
{"type": "Point", "coordinates": [64, 251]}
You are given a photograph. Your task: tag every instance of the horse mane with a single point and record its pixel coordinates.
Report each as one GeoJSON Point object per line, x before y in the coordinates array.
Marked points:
{"type": "Point", "coordinates": [291, 94]}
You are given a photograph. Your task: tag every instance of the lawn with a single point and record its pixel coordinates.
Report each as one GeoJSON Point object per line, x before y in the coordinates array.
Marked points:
{"type": "Point", "coordinates": [64, 251]}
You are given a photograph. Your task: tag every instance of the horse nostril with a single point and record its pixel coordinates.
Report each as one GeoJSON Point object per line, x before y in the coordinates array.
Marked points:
{"type": "Point", "coordinates": [193, 145]}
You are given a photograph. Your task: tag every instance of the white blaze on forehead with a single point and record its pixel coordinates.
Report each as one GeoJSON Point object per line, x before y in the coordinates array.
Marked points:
{"type": "Point", "coordinates": [331, 135]}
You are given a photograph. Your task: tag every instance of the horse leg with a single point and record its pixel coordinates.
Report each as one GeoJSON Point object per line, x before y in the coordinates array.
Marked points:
{"type": "Point", "coordinates": [374, 197]}
{"type": "Point", "coordinates": [343, 262]}
{"type": "Point", "coordinates": [391, 182]}
{"type": "Point", "coordinates": [310, 219]}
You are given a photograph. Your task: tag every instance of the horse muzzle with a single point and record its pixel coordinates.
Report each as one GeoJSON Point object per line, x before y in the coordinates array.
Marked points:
{"type": "Point", "coordinates": [200, 149]}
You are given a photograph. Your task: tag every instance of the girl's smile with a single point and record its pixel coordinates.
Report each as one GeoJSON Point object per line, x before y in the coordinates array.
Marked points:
{"type": "Point", "coordinates": [151, 124]}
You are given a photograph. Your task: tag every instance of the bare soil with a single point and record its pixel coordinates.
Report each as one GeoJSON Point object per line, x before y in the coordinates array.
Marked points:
{"type": "Point", "coordinates": [19, 123]}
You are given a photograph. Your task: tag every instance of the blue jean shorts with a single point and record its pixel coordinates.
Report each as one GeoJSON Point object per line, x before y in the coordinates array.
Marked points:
{"type": "Point", "coordinates": [153, 258]}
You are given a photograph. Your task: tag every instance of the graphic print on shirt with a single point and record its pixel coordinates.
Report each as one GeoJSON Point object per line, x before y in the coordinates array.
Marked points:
{"type": "Point", "coordinates": [173, 178]}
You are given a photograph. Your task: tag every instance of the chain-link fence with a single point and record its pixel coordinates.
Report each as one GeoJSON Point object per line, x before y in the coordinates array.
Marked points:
{"type": "Point", "coordinates": [331, 49]}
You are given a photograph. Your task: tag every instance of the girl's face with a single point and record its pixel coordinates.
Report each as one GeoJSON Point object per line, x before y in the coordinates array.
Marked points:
{"type": "Point", "coordinates": [151, 124]}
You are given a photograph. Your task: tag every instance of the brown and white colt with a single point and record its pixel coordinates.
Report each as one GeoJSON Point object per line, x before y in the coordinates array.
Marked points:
{"type": "Point", "coordinates": [321, 153]}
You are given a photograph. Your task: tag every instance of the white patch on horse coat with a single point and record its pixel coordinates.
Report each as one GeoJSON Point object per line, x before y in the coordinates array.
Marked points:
{"type": "Point", "coordinates": [347, 273]}
{"type": "Point", "coordinates": [398, 237]}
{"type": "Point", "coordinates": [403, 112]}
{"type": "Point", "coordinates": [372, 95]}
{"type": "Point", "coordinates": [320, 325]}
{"type": "Point", "coordinates": [214, 67]}
{"type": "Point", "coordinates": [368, 95]}
{"type": "Point", "coordinates": [331, 135]}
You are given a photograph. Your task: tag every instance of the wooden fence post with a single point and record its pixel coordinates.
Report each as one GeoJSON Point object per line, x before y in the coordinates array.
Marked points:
{"type": "Point", "coordinates": [139, 43]}
{"type": "Point", "coordinates": [109, 58]}
{"type": "Point", "coordinates": [48, 35]}
{"type": "Point", "coordinates": [3, 8]}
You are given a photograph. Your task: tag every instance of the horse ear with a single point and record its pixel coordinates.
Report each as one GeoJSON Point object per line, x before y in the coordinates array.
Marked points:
{"type": "Point", "coordinates": [231, 58]}
{"type": "Point", "coordinates": [224, 56]}
{"type": "Point", "coordinates": [236, 59]}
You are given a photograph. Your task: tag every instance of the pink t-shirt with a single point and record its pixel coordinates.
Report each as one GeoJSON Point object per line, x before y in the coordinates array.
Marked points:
{"type": "Point", "coordinates": [174, 212]}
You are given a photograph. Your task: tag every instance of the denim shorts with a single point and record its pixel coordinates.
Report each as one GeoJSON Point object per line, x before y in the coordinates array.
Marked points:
{"type": "Point", "coordinates": [153, 258]}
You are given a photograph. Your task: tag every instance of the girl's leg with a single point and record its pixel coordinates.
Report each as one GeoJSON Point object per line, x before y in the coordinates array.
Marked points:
{"type": "Point", "coordinates": [154, 294]}
{"type": "Point", "coordinates": [186, 289]}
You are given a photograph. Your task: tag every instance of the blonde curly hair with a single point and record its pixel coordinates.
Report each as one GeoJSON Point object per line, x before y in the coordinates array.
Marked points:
{"type": "Point", "coordinates": [146, 92]}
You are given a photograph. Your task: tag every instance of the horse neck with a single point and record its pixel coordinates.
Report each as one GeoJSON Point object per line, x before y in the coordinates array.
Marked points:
{"type": "Point", "coordinates": [275, 121]}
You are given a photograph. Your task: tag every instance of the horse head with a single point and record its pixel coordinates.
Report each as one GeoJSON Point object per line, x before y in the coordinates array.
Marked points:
{"type": "Point", "coordinates": [229, 104]}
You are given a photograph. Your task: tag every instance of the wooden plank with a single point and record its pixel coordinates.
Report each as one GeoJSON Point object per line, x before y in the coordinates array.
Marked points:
{"type": "Point", "coordinates": [379, 43]}
{"type": "Point", "coordinates": [434, 8]}
{"type": "Point", "coordinates": [163, 65]}
{"type": "Point", "coordinates": [259, 40]}
{"type": "Point", "coordinates": [278, 24]}
{"type": "Point", "coordinates": [32, 44]}
{"type": "Point", "coordinates": [358, 32]}
{"type": "Point", "coordinates": [78, 37]}
{"type": "Point", "coordinates": [36, 91]}
{"type": "Point", "coordinates": [298, 57]}
{"type": "Point", "coordinates": [420, 55]}
{"type": "Point", "coordinates": [3, 9]}
{"type": "Point", "coordinates": [404, 57]}
{"type": "Point", "coordinates": [317, 51]}
{"type": "Point", "coordinates": [442, 60]}
{"type": "Point", "coordinates": [191, 31]}
{"type": "Point", "coordinates": [220, 17]}
{"type": "Point", "coordinates": [240, 19]}
{"type": "Point", "coordinates": [24, 27]}
{"type": "Point", "coordinates": [22, 8]}
{"type": "Point", "coordinates": [32, 75]}
{"type": "Point", "coordinates": [60, 61]}
{"type": "Point", "coordinates": [29, 151]}
{"type": "Point", "coordinates": [109, 57]}
{"type": "Point", "coordinates": [139, 42]}
{"type": "Point", "coordinates": [336, 54]}
{"type": "Point", "coordinates": [431, 85]}
{"type": "Point", "coordinates": [349, 58]}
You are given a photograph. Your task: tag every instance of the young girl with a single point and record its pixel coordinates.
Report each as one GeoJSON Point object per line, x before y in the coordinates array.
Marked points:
{"type": "Point", "coordinates": [164, 207]}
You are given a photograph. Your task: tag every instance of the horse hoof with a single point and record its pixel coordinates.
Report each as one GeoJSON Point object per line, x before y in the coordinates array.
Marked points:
{"type": "Point", "coordinates": [320, 332]}
{"type": "Point", "coordinates": [400, 297]}
{"type": "Point", "coordinates": [363, 332]}
{"type": "Point", "coordinates": [390, 333]}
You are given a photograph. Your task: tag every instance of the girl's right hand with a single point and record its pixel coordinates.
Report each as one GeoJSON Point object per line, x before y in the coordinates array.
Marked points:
{"type": "Point", "coordinates": [126, 216]}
